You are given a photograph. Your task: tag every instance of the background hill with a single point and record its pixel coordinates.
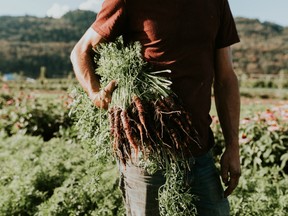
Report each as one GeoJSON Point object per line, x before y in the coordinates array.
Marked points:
{"type": "Point", "coordinates": [263, 47]}
{"type": "Point", "coordinates": [28, 43]}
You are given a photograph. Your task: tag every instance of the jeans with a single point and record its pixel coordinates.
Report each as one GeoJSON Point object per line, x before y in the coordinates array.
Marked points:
{"type": "Point", "coordinates": [140, 190]}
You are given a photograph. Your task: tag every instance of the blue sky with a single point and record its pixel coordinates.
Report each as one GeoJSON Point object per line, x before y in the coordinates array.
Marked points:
{"type": "Point", "coordinates": [42, 7]}
{"type": "Point", "coordinates": [266, 10]}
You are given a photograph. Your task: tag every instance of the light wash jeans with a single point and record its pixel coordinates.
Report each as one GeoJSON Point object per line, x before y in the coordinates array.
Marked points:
{"type": "Point", "coordinates": [140, 190]}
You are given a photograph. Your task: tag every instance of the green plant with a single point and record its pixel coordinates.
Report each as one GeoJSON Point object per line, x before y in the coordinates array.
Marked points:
{"type": "Point", "coordinates": [263, 139]}
{"type": "Point", "coordinates": [24, 113]}
{"type": "Point", "coordinates": [55, 178]}
{"type": "Point", "coordinates": [264, 192]}
{"type": "Point", "coordinates": [174, 197]}
{"type": "Point", "coordinates": [91, 189]}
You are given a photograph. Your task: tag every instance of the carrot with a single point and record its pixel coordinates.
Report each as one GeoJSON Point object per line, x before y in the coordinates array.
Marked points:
{"type": "Point", "coordinates": [128, 131]}
{"type": "Point", "coordinates": [192, 129]}
{"type": "Point", "coordinates": [185, 123]}
{"type": "Point", "coordinates": [111, 117]}
{"type": "Point", "coordinates": [173, 102]}
{"type": "Point", "coordinates": [120, 154]}
{"type": "Point", "coordinates": [174, 124]}
{"type": "Point", "coordinates": [176, 105]}
{"type": "Point", "coordinates": [141, 112]}
{"type": "Point", "coordinates": [168, 109]}
{"type": "Point", "coordinates": [174, 137]}
{"type": "Point", "coordinates": [119, 144]}
{"type": "Point", "coordinates": [140, 129]}
{"type": "Point", "coordinates": [145, 141]}
{"type": "Point", "coordinates": [117, 129]}
{"type": "Point", "coordinates": [117, 122]}
{"type": "Point", "coordinates": [161, 108]}
{"type": "Point", "coordinates": [186, 130]}
{"type": "Point", "coordinates": [125, 145]}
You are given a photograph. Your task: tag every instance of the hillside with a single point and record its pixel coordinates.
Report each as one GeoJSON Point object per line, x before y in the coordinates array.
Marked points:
{"type": "Point", "coordinates": [27, 43]}
{"type": "Point", "coordinates": [263, 47]}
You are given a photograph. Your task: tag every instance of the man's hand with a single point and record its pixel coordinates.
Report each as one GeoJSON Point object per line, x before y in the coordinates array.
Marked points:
{"type": "Point", "coordinates": [230, 169]}
{"type": "Point", "coordinates": [102, 98]}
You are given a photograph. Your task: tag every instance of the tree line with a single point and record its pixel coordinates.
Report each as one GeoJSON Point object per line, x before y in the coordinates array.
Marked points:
{"type": "Point", "coordinates": [29, 43]}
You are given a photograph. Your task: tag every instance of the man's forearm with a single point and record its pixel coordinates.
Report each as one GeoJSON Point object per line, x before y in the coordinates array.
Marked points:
{"type": "Point", "coordinates": [83, 66]}
{"type": "Point", "coordinates": [226, 91]}
{"type": "Point", "coordinates": [228, 108]}
{"type": "Point", "coordinates": [82, 61]}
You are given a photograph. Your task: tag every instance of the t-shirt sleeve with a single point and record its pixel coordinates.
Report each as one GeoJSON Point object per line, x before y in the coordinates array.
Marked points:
{"type": "Point", "coordinates": [227, 32]}
{"type": "Point", "coordinates": [110, 21]}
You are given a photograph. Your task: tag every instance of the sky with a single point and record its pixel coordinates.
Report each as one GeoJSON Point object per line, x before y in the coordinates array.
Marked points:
{"type": "Point", "coordinates": [264, 10]}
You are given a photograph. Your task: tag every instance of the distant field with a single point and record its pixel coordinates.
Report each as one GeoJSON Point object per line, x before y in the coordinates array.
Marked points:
{"type": "Point", "coordinates": [252, 99]}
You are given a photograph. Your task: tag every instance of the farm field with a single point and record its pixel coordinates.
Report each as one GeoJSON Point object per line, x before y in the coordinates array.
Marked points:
{"type": "Point", "coordinates": [46, 170]}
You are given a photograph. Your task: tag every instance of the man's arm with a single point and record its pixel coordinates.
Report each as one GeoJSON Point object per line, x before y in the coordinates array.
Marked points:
{"type": "Point", "coordinates": [227, 99]}
{"type": "Point", "coordinates": [83, 65]}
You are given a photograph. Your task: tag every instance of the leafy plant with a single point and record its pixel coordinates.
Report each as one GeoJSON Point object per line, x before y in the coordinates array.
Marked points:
{"type": "Point", "coordinates": [55, 178]}
{"type": "Point", "coordinates": [28, 175]}
{"type": "Point", "coordinates": [24, 113]}
{"type": "Point", "coordinates": [260, 193]}
{"type": "Point", "coordinates": [263, 139]}
{"type": "Point", "coordinates": [174, 196]}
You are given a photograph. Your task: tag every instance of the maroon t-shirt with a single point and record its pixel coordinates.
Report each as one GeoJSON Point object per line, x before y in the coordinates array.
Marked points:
{"type": "Point", "coordinates": [180, 35]}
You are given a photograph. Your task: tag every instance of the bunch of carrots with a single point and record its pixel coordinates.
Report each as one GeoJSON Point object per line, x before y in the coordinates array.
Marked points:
{"type": "Point", "coordinates": [159, 126]}
{"type": "Point", "coordinates": [144, 115]}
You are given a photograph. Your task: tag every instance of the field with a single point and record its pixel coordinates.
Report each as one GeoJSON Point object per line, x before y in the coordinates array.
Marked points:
{"type": "Point", "coordinates": [46, 170]}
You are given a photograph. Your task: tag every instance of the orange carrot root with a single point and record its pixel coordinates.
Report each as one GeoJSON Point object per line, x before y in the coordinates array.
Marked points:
{"type": "Point", "coordinates": [141, 112]}
{"type": "Point", "coordinates": [128, 131]}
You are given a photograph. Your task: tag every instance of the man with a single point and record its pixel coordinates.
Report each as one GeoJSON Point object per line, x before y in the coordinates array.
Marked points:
{"type": "Point", "coordinates": [192, 39]}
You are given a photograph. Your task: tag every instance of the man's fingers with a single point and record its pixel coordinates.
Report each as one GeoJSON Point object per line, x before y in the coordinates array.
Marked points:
{"type": "Point", "coordinates": [110, 87]}
{"type": "Point", "coordinates": [232, 184]}
{"type": "Point", "coordinates": [230, 169]}
{"type": "Point", "coordinates": [224, 174]}
{"type": "Point", "coordinates": [103, 98]}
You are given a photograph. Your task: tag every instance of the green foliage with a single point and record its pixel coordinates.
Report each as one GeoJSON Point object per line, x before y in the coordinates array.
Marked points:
{"type": "Point", "coordinates": [55, 178]}
{"type": "Point", "coordinates": [31, 170]}
{"type": "Point", "coordinates": [25, 113]}
{"type": "Point", "coordinates": [264, 192]}
{"type": "Point", "coordinates": [125, 64]}
{"type": "Point", "coordinates": [262, 48]}
{"type": "Point", "coordinates": [263, 139]}
{"type": "Point", "coordinates": [174, 197]}
{"type": "Point", "coordinates": [91, 189]}
{"type": "Point", "coordinates": [92, 126]}
{"type": "Point", "coordinates": [79, 18]}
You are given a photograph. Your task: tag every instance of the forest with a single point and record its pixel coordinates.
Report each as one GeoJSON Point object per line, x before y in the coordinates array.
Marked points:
{"type": "Point", "coordinates": [29, 43]}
